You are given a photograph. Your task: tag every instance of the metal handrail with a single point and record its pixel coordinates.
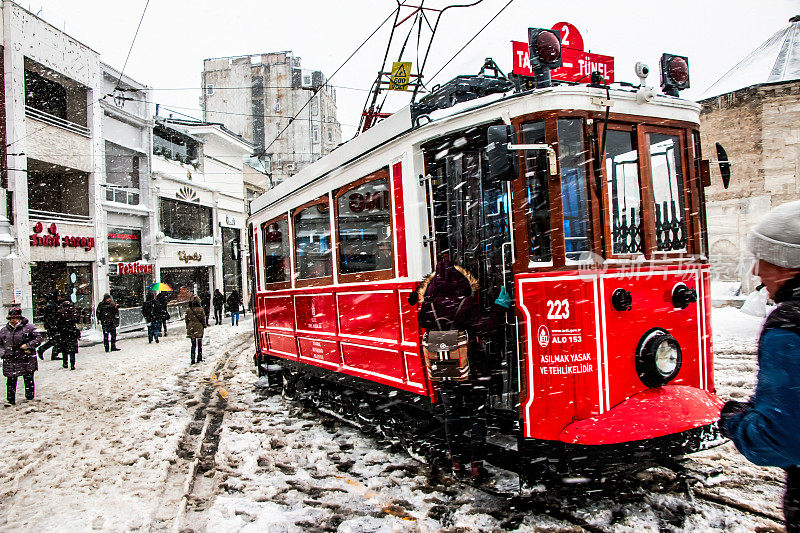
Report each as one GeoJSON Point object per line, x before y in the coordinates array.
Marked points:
{"type": "Point", "coordinates": [66, 217]}
{"type": "Point", "coordinates": [53, 120]}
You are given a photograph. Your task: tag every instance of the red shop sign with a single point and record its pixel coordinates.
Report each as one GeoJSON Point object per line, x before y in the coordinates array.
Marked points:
{"type": "Point", "coordinates": [54, 239]}
{"type": "Point", "coordinates": [134, 268]}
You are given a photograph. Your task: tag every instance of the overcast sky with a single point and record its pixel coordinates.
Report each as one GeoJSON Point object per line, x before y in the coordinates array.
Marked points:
{"type": "Point", "coordinates": [176, 35]}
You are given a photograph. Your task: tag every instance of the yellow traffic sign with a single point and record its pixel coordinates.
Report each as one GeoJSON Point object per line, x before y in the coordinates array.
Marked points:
{"type": "Point", "coordinates": [400, 74]}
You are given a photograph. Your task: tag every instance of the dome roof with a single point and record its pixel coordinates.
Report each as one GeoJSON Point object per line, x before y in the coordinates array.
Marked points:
{"type": "Point", "coordinates": [776, 60]}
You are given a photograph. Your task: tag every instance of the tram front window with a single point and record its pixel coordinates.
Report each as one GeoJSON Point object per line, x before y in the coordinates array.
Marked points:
{"type": "Point", "coordinates": [572, 161]}
{"type": "Point", "coordinates": [538, 196]}
{"type": "Point", "coordinates": [622, 174]}
{"type": "Point", "coordinates": [312, 238]}
{"type": "Point", "coordinates": [667, 172]}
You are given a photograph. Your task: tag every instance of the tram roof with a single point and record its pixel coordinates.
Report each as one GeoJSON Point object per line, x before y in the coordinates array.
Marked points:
{"type": "Point", "coordinates": [473, 113]}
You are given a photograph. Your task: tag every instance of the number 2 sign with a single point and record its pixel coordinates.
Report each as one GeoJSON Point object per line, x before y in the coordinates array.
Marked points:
{"type": "Point", "coordinates": [570, 36]}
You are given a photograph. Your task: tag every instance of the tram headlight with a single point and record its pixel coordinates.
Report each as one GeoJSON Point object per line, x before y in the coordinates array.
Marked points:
{"type": "Point", "coordinates": [658, 358]}
{"type": "Point", "coordinates": [674, 74]}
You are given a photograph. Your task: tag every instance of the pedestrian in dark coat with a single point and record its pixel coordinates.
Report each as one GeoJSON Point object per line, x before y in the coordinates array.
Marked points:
{"type": "Point", "coordinates": [18, 341]}
{"type": "Point", "coordinates": [108, 316]}
{"type": "Point", "coordinates": [450, 297]}
{"type": "Point", "coordinates": [68, 333]}
{"type": "Point", "coordinates": [163, 314]}
{"type": "Point", "coordinates": [219, 302]}
{"type": "Point", "coordinates": [195, 320]}
{"type": "Point", "coordinates": [234, 303]}
{"type": "Point", "coordinates": [50, 319]}
{"type": "Point", "coordinates": [205, 299]}
{"type": "Point", "coordinates": [765, 429]}
{"type": "Point", "coordinates": [151, 315]}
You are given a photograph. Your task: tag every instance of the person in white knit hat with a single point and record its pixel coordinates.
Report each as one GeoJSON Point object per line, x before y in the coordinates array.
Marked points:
{"type": "Point", "coordinates": [766, 429]}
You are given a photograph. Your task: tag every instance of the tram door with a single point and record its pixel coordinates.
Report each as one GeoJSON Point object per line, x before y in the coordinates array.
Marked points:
{"type": "Point", "coordinates": [470, 218]}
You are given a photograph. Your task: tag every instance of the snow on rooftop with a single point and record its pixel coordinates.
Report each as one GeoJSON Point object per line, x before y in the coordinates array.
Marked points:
{"type": "Point", "coordinates": [776, 60]}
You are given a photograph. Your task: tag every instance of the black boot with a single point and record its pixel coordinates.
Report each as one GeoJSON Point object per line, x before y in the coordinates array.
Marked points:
{"type": "Point", "coordinates": [114, 348]}
{"type": "Point", "coordinates": [105, 344]}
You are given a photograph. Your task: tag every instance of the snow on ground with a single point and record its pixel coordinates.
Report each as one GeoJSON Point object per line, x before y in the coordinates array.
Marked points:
{"type": "Point", "coordinates": [94, 445]}
{"type": "Point", "coordinates": [105, 448]}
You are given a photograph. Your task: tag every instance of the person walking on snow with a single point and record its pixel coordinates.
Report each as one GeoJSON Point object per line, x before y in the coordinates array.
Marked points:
{"type": "Point", "coordinates": [108, 316]}
{"type": "Point", "coordinates": [68, 333]}
{"type": "Point", "coordinates": [152, 317]}
{"type": "Point", "coordinates": [18, 341]}
{"type": "Point", "coordinates": [195, 319]}
{"type": "Point", "coordinates": [449, 300]}
{"type": "Point", "coordinates": [234, 304]}
{"type": "Point", "coordinates": [205, 299]}
{"type": "Point", "coordinates": [50, 319]}
{"type": "Point", "coordinates": [219, 302]}
{"type": "Point", "coordinates": [765, 429]}
{"type": "Point", "coordinates": [163, 314]}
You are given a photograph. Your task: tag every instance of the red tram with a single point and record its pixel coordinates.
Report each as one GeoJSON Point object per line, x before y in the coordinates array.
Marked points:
{"type": "Point", "coordinates": [585, 202]}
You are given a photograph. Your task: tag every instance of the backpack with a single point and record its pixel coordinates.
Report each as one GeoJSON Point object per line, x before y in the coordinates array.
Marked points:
{"type": "Point", "coordinates": [445, 351]}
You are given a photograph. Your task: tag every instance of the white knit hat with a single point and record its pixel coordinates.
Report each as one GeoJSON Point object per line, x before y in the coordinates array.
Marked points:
{"type": "Point", "coordinates": [776, 238]}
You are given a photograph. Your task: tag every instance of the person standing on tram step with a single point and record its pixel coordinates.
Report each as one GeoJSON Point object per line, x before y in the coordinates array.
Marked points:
{"type": "Point", "coordinates": [18, 342]}
{"type": "Point", "coordinates": [219, 303]}
{"type": "Point", "coordinates": [765, 429]}
{"type": "Point", "coordinates": [205, 299]}
{"type": "Point", "coordinates": [234, 303]}
{"type": "Point", "coordinates": [451, 295]}
{"type": "Point", "coordinates": [50, 316]}
{"type": "Point", "coordinates": [195, 324]}
{"type": "Point", "coordinates": [163, 313]}
{"type": "Point", "coordinates": [152, 317]}
{"type": "Point", "coordinates": [108, 316]}
{"type": "Point", "coordinates": [68, 333]}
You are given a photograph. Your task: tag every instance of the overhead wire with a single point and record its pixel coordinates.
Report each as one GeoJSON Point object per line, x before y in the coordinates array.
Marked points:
{"type": "Point", "coordinates": [121, 72]}
{"type": "Point", "coordinates": [470, 41]}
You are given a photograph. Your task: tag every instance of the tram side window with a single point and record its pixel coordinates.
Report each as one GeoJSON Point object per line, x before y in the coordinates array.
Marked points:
{"type": "Point", "coordinates": [276, 251]}
{"type": "Point", "coordinates": [312, 242]}
{"type": "Point", "coordinates": [667, 172]}
{"type": "Point", "coordinates": [572, 160]}
{"type": "Point", "coordinates": [538, 195]}
{"type": "Point", "coordinates": [622, 173]}
{"type": "Point", "coordinates": [365, 231]}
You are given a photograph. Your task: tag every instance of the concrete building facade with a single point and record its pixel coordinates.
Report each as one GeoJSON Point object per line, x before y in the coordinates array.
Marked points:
{"type": "Point", "coordinates": [258, 96]}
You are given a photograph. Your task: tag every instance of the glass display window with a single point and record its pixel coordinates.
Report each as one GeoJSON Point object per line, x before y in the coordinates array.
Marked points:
{"type": "Point", "coordinates": [124, 245]}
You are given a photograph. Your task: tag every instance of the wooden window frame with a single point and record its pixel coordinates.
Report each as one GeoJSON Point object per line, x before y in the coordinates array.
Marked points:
{"type": "Point", "coordinates": [372, 275]}
{"type": "Point", "coordinates": [310, 282]}
{"type": "Point", "coordinates": [689, 220]}
{"type": "Point", "coordinates": [277, 284]}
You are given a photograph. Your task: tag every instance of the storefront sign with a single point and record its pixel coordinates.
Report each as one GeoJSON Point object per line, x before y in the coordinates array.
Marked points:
{"type": "Point", "coordinates": [183, 256]}
{"type": "Point", "coordinates": [52, 238]}
{"type": "Point", "coordinates": [228, 221]}
{"type": "Point", "coordinates": [134, 268]}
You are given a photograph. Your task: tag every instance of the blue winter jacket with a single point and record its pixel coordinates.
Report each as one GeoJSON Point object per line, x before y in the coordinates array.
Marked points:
{"type": "Point", "coordinates": [768, 433]}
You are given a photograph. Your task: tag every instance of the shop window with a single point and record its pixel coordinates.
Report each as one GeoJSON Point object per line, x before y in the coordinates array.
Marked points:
{"type": "Point", "coordinates": [185, 222]}
{"type": "Point", "coordinates": [312, 241]}
{"type": "Point", "coordinates": [231, 260]}
{"type": "Point", "coordinates": [72, 281]}
{"type": "Point", "coordinates": [572, 161]}
{"type": "Point", "coordinates": [57, 192]}
{"type": "Point", "coordinates": [275, 236]}
{"type": "Point", "coordinates": [129, 290]}
{"type": "Point", "coordinates": [622, 173]}
{"type": "Point", "coordinates": [363, 215]}
{"type": "Point", "coordinates": [667, 173]}
{"type": "Point", "coordinates": [538, 194]}
{"type": "Point", "coordinates": [124, 245]}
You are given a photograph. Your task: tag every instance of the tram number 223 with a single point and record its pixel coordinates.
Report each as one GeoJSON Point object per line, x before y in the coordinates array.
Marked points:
{"type": "Point", "coordinates": [557, 309]}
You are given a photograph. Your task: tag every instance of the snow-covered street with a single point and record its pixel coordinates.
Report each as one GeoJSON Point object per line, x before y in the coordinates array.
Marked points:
{"type": "Point", "coordinates": [141, 440]}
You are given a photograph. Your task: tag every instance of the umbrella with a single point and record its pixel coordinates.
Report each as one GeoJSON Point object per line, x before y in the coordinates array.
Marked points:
{"type": "Point", "coordinates": [159, 287]}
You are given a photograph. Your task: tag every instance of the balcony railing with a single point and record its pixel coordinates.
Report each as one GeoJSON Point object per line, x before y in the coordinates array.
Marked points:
{"type": "Point", "coordinates": [65, 217]}
{"type": "Point", "coordinates": [122, 195]}
{"type": "Point", "coordinates": [56, 121]}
